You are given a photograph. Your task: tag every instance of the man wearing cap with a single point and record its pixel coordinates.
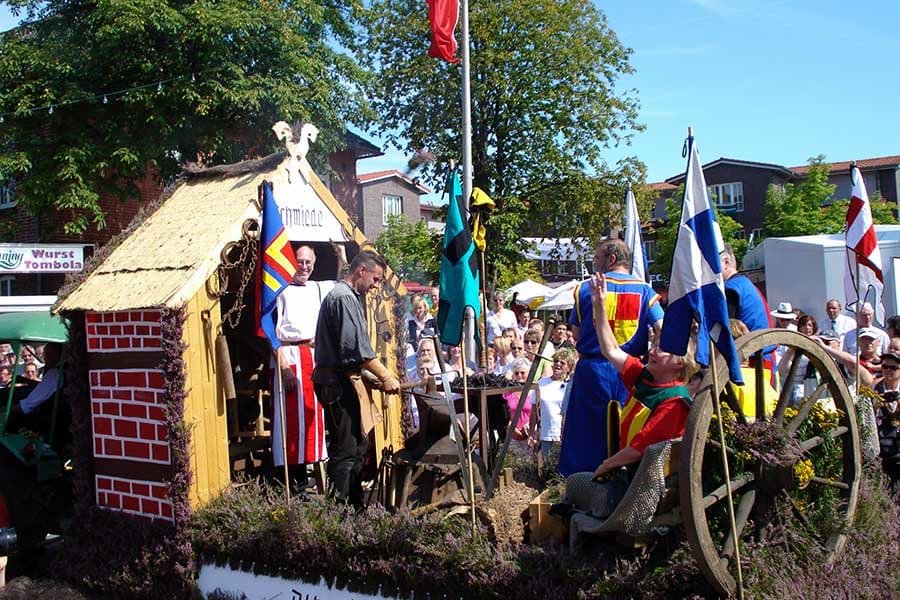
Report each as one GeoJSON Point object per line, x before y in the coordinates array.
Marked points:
{"type": "Point", "coordinates": [847, 361]}
{"type": "Point", "coordinates": [866, 319]}
{"type": "Point", "coordinates": [784, 316]}
{"type": "Point", "coordinates": [836, 320]}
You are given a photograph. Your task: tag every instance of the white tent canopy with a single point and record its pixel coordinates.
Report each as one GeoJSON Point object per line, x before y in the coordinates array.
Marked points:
{"type": "Point", "coordinates": [563, 297]}
{"type": "Point", "coordinates": [528, 291]}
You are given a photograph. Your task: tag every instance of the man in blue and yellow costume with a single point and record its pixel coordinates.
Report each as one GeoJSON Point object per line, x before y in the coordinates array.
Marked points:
{"type": "Point", "coordinates": [633, 308]}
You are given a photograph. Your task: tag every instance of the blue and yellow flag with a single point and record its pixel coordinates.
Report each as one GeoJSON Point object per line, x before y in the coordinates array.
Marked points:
{"type": "Point", "coordinates": [277, 264]}
{"type": "Point", "coordinates": [460, 279]}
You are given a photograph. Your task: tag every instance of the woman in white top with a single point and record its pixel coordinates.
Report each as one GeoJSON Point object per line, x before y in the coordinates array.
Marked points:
{"type": "Point", "coordinates": [552, 390]}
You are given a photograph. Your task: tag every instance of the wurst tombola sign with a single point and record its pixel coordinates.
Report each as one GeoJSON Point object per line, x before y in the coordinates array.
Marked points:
{"type": "Point", "coordinates": [40, 258]}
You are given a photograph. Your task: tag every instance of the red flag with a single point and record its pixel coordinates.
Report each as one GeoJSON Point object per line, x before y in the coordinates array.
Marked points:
{"type": "Point", "coordinates": [443, 15]}
{"type": "Point", "coordinates": [862, 248]}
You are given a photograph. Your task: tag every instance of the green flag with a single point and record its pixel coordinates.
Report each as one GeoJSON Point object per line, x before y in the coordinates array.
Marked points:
{"type": "Point", "coordinates": [459, 268]}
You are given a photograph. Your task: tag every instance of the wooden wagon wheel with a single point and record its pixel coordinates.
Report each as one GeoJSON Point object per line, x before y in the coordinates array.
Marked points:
{"type": "Point", "coordinates": [824, 463]}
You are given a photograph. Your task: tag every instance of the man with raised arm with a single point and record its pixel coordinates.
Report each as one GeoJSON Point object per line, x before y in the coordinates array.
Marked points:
{"type": "Point", "coordinates": [657, 409]}
{"type": "Point", "coordinates": [632, 308]}
{"type": "Point", "coordinates": [343, 350]}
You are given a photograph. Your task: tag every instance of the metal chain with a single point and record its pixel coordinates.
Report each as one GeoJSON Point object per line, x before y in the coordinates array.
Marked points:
{"type": "Point", "coordinates": [247, 263]}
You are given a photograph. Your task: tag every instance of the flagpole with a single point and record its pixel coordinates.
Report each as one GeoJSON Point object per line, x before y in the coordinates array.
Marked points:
{"type": "Point", "coordinates": [718, 409]}
{"type": "Point", "coordinates": [466, 105]}
{"type": "Point", "coordinates": [859, 307]}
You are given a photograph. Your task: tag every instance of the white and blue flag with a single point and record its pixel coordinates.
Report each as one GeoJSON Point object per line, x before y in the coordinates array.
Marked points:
{"type": "Point", "coordinates": [633, 237]}
{"type": "Point", "coordinates": [696, 287]}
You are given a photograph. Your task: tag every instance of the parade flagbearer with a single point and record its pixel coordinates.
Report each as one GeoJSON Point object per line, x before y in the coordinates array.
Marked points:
{"type": "Point", "coordinates": [343, 350]}
{"type": "Point", "coordinates": [298, 312]}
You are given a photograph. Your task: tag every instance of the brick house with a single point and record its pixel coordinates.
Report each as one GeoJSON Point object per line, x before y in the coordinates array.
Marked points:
{"type": "Point", "coordinates": [385, 193]}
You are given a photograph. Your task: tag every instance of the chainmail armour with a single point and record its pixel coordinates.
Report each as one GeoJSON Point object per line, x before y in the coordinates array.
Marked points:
{"type": "Point", "coordinates": [637, 507]}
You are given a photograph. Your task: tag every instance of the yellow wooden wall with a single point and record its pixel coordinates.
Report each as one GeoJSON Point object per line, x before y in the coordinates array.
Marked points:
{"type": "Point", "coordinates": [380, 319]}
{"type": "Point", "coordinates": [204, 407]}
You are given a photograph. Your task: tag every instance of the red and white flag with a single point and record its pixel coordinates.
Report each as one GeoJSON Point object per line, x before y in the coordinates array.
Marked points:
{"type": "Point", "coordinates": [443, 15]}
{"type": "Point", "coordinates": [862, 249]}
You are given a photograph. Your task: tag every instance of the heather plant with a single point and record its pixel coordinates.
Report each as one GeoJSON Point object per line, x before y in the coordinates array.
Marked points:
{"type": "Point", "coordinates": [116, 555]}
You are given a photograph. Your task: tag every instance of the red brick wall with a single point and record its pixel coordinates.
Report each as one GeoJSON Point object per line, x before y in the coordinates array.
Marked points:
{"type": "Point", "coordinates": [136, 496]}
{"type": "Point", "coordinates": [135, 330]}
{"type": "Point", "coordinates": [128, 407]}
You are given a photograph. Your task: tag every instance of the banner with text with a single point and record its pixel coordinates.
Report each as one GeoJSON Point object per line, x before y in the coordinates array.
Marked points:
{"type": "Point", "coordinates": [41, 258]}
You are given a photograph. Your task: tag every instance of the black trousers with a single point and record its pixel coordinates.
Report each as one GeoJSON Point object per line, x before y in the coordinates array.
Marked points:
{"type": "Point", "coordinates": [347, 444]}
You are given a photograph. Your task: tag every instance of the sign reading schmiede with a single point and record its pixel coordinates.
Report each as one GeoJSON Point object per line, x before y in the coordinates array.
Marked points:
{"type": "Point", "coordinates": [40, 258]}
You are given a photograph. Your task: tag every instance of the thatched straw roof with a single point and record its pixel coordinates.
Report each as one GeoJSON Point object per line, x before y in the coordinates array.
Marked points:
{"type": "Point", "coordinates": [169, 256]}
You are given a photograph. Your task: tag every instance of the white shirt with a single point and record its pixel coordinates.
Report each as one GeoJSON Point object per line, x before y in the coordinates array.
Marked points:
{"type": "Point", "coordinates": [498, 321]}
{"type": "Point", "coordinates": [298, 310]}
{"type": "Point", "coordinates": [42, 391]}
{"type": "Point", "coordinates": [841, 325]}
{"type": "Point", "coordinates": [880, 347]}
{"type": "Point", "coordinates": [552, 392]}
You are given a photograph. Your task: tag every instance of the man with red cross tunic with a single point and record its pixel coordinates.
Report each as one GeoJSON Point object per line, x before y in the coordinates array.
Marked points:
{"type": "Point", "coordinates": [298, 312]}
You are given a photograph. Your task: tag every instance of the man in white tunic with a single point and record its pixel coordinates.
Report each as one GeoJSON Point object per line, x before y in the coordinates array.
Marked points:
{"type": "Point", "coordinates": [298, 312]}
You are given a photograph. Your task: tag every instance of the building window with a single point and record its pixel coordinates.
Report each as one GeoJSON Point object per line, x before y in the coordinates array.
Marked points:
{"type": "Point", "coordinates": [391, 205]}
{"type": "Point", "coordinates": [6, 285]}
{"type": "Point", "coordinates": [650, 250]}
{"type": "Point", "coordinates": [740, 235]}
{"type": "Point", "coordinates": [757, 235]}
{"type": "Point", "coordinates": [7, 193]}
{"type": "Point", "coordinates": [729, 197]}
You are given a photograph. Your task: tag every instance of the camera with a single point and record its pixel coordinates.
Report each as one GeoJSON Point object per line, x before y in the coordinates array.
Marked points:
{"type": "Point", "coordinates": [8, 540]}
{"type": "Point", "coordinates": [891, 396]}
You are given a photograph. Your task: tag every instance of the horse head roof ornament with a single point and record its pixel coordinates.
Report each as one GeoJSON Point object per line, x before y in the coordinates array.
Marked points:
{"type": "Point", "coordinates": [297, 146]}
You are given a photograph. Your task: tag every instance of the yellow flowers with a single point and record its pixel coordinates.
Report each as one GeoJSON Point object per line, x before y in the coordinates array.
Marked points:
{"type": "Point", "coordinates": [803, 472]}
{"type": "Point", "coordinates": [277, 514]}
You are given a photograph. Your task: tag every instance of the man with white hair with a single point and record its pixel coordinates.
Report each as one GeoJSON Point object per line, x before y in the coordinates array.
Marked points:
{"type": "Point", "coordinates": [866, 318]}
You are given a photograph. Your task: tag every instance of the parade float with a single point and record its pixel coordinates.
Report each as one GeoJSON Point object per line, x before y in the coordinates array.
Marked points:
{"type": "Point", "coordinates": [167, 384]}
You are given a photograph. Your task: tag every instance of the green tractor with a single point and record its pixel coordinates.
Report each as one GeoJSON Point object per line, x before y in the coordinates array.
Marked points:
{"type": "Point", "coordinates": [35, 486]}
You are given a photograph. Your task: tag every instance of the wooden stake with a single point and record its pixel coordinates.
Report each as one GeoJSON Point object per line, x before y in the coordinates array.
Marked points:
{"type": "Point", "coordinates": [717, 407]}
{"type": "Point", "coordinates": [280, 383]}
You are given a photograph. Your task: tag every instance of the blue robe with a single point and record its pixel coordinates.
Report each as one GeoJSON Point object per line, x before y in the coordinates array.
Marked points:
{"type": "Point", "coordinates": [633, 307]}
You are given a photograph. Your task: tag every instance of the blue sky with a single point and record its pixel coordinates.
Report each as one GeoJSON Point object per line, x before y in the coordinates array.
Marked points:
{"type": "Point", "coordinates": [771, 81]}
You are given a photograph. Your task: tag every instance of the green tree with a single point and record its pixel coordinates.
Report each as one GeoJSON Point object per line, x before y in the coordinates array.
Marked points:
{"type": "Point", "coordinates": [800, 209]}
{"type": "Point", "coordinates": [796, 209]}
{"type": "Point", "coordinates": [95, 93]}
{"type": "Point", "coordinates": [834, 216]}
{"type": "Point", "coordinates": [544, 107]}
{"type": "Point", "coordinates": [667, 234]}
{"type": "Point", "coordinates": [411, 249]}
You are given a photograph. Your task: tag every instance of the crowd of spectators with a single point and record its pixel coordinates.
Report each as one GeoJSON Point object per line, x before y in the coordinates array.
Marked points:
{"type": "Point", "coordinates": [514, 334]}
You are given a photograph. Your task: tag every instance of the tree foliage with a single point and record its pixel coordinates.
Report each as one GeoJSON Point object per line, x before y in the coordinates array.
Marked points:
{"type": "Point", "coordinates": [667, 234]}
{"type": "Point", "coordinates": [411, 249]}
{"type": "Point", "coordinates": [544, 107]}
{"type": "Point", "coordinates": [800, 209]}
{"type": "Point", "coordinates": [153, 83]}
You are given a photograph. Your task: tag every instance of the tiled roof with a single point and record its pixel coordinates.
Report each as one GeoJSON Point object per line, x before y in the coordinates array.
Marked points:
{"type": "Point", "coordinates": [865, 164]}
{"type": "Point", "coordinates": [379, 175]}
{"type": "Point", "coordinates": [661, 186]}
{"type": "Point", "coordinates": [735, 161]}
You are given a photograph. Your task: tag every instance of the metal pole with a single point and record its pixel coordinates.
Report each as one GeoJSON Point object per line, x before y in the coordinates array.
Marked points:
{"type": "Point", "coordinates": [725, 469]}
{"type": "Point", "coordinates": [466, 105]}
